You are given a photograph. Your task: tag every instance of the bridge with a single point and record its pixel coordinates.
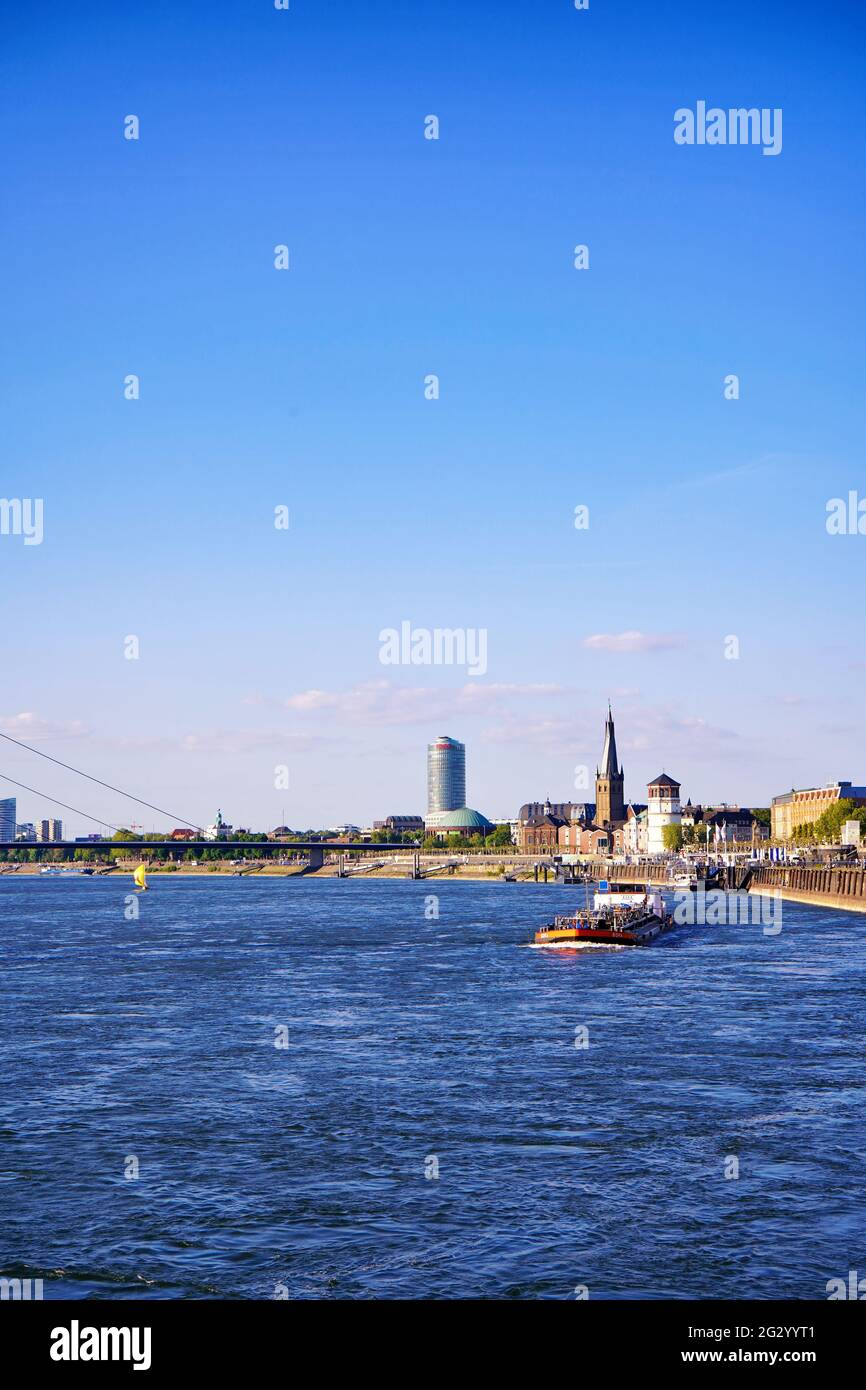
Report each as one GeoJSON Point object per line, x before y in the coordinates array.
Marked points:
{"type": "Point", "coordinates": [314, 849]}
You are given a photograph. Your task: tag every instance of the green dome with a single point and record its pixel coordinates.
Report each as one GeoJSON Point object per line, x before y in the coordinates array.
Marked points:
{"type": "Point", "coordinates": [462, 819]}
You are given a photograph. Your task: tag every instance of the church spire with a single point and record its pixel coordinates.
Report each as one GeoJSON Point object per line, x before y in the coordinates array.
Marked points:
{"type": "Point", "coordinates": [609, 765]}
{"type": "Point", "coordinates": [609, 804]}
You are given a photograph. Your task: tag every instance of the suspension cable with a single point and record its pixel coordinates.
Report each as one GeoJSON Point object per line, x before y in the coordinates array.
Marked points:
{"type": "Point", "coordinates": [99, 782]}
{"type": "Point", "coordinates": [55, 802]}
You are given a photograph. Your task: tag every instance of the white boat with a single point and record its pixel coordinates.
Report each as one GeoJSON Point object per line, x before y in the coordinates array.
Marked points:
{"type": "Point", "coordinates": [611, 893]}
{"type": "Point", "coordinates": [56, 869]}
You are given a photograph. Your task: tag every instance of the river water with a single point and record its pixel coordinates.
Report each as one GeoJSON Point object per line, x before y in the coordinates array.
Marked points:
{"type": "Point", "coordinates": [311, 1089]}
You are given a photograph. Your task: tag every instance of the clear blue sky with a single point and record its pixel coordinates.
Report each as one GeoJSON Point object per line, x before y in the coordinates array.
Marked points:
{"type": "Point", "coordinates": [558, 387]}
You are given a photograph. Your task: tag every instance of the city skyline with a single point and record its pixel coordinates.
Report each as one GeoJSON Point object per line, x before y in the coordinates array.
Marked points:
{"type": "Point", "coordinates": [445, 790]}
{"type": "Point", "coordinates": [258, 648]}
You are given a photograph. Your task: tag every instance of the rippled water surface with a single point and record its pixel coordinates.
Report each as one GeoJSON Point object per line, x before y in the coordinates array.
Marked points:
{"type": "Point", "coordinates": [415, 1041]}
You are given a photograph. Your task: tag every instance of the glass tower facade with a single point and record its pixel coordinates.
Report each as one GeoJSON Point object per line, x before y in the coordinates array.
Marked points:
{"type": "Point", "coordinates": [8, 812]}
{"type": "Point", "coordinates": [446, 775]}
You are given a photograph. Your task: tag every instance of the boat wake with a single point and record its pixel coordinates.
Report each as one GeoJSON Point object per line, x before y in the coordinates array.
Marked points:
{"type": "Point", "coordinates": [572, 946]}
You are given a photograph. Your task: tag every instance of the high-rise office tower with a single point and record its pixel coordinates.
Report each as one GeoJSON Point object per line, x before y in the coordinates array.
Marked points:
{"type": "Point", "coordinates": [446, 775]}
{"type": "Point", "coordinates": [8, 814]}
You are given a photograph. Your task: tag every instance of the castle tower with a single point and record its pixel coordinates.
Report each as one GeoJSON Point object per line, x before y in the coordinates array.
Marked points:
{"type": "Point", "coordinates": [609, 779]}
{"type": "Point", "coordinates": [663, 808]}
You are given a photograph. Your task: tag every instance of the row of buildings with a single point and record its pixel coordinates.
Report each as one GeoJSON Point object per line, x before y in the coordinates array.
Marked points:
{"type": "Point", "coordinates": [45, 832]}
{"type": "Point", "coordinates": [607, 825]}
{"type": "Point", "coordinates": [610, 825]}
{"type": "Point", "coordinates": [50, 831]}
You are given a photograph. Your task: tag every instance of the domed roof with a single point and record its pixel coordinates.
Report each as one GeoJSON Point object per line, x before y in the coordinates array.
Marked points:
{"type": "Point", "coordinates": [462, 819]}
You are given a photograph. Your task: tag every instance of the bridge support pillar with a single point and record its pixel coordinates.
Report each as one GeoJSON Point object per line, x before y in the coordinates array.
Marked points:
{"type": "Point", "coordinates": [317, 856]}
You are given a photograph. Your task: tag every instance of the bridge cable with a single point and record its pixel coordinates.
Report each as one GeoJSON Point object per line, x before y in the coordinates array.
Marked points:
{"type": "Point", "coordinates": [100, 783]}
{"type": "Point", "coordinates": [55, 802]}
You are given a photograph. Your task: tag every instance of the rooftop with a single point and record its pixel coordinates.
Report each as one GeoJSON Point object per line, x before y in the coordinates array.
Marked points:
{"type": "Point", "coordinates": [464, 818]}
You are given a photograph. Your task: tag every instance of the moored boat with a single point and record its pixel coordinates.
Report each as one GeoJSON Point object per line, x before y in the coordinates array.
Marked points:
{"type": "Point", "coordinates": [57, 869]}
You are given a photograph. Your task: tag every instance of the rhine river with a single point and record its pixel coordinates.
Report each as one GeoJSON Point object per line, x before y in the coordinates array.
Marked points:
{"type": "Point", "coordinates": [417, 1046]}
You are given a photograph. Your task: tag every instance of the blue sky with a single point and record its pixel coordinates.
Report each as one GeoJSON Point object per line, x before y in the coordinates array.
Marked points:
{"type": "Point", "coordinates": [305, 388]}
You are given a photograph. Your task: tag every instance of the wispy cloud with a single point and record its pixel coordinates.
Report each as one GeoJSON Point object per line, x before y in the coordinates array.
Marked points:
{"type": "Point", "coordinates": [634, 641]}
{"type": "Point", "coordinates": [225, 742]}
{"type": "Point", "coordinates": [381, 702]}
{"type": "Point", "coordinates": [233, 742]}
{"type": "Point", "coordinates": [30, 728]}
{"type": "Point", "coordinates": [554, 734]}
{"type": "Point", "coordinates": [764, 463]}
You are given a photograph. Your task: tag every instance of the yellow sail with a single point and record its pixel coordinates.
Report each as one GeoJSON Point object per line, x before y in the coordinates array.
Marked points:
{"type": "Point", "coordinates": [139, 878]}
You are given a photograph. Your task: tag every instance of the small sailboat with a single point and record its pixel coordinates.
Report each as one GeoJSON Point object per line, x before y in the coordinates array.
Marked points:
{"type": "Point", "coordinates": [139, 878]}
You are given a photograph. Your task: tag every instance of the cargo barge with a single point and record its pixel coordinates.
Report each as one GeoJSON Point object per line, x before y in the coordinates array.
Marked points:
{"type": "Point", "coordinates": [632, 915]}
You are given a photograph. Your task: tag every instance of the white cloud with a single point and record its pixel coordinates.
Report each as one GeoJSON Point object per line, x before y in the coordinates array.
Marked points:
{"type": "Point", "coordinates": [380, 702]}
{"type": "Point", "coordinates": [29, 727]}
{"type": "Point", "coordinates": [634, 641]}
{"type": "Point", "coordinates": [231, 742]}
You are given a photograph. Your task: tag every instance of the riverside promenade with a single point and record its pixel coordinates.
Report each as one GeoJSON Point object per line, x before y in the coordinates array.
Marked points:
{"type": "Point", "coordinates": [839, 887]}
{"type": "Point", "coordinates": [822, 887]}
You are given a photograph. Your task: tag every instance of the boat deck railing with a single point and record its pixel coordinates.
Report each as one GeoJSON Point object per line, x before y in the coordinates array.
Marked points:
{"type": "Point", "coordinates": [614, 921]}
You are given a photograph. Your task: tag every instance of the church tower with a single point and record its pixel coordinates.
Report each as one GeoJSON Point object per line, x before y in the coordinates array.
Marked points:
{"type": "Point", "coordinates": [609, 778]}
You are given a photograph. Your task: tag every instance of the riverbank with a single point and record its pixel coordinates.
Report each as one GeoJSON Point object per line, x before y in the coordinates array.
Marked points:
{"type": "Point", "coordinates": [840, 887]}
{"type": "Point", "coordinates": [463, 873]}
{"type": "Point", "coordinates": [793, 895]}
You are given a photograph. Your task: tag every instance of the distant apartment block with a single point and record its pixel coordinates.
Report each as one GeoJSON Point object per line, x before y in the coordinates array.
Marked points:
{"type": "Point", "coordinates": [8, 818]}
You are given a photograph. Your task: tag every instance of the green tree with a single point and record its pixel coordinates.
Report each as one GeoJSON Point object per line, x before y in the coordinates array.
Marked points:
{"type": "Point", "coordinates": [829, 824]}
{"type": "Point", "coordinates": [672, 837]}
{"type": "Point", "coordinates": [121, 835]}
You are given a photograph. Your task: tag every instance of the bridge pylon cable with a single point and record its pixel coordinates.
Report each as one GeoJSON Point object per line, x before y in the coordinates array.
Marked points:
{"type": "Point", "coordinates": [55, 802]}
{"type": "Point", "coordinates": [77, 770]}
